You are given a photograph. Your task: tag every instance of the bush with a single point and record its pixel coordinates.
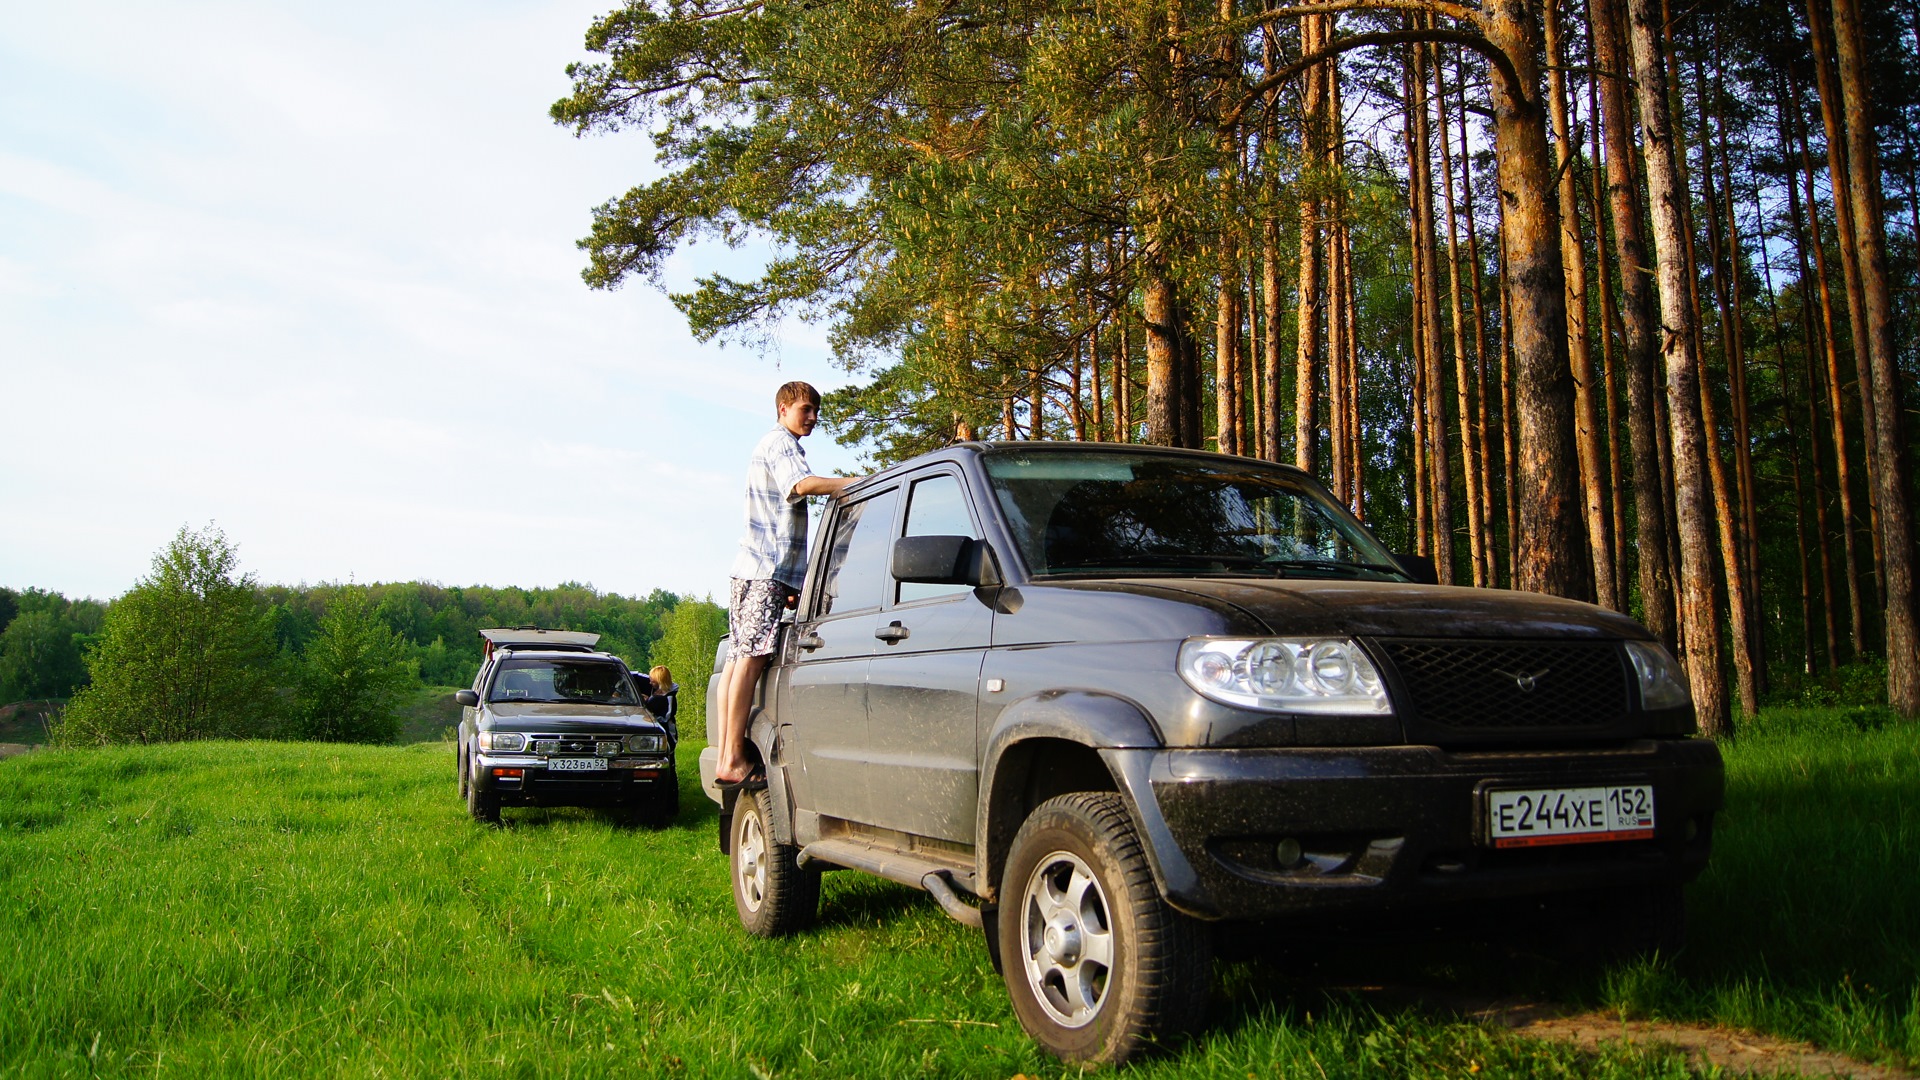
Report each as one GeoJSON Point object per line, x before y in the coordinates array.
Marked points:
{"type": "Point", "coordinates": [355, 676]}
{"type": "Point", "coordinates": [188, 653]}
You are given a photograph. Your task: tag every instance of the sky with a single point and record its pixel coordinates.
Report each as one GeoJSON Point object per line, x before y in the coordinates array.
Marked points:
{"type": "Point", "coordinates": [306, 271]}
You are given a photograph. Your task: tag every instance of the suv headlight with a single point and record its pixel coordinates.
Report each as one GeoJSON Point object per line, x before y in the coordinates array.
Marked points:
{"type": "Point", "coordinates": [1309, 675]}
{"type": "Point", "coordinates": [502, 740]}
{"type": "Point", "coordinates": [646, 744]}
{"type": "Point", "coordinates": [1662, 685]}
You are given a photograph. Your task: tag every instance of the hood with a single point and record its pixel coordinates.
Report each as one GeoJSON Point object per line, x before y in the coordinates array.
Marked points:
{"type": "Point", "coordinates": [562, 716]}
{"type": "Point", "coordinates": [1389, 609]}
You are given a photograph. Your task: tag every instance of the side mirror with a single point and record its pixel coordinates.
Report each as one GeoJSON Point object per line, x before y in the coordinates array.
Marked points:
{"type": "Point", "coordinates": [1418, 567]}
{"type": "Point", "coordinates": [944, 560]}
{"type": "Point", "coordinates": [466, 697]}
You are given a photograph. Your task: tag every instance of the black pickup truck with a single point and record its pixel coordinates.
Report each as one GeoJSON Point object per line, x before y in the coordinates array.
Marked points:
{"type": "Point", "coordinates": [1104, 700]}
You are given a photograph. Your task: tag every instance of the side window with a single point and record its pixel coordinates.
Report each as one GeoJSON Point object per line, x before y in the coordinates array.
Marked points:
{"type": "Point", "coordinates": [857, 562]}
{"type": "Point", "coordinates": [936, 507]}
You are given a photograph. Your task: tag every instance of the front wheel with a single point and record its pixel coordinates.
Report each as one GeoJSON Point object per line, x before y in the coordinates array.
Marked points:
{"type": "Point", "coordinates": [772, 893]}
{"type": "Point", "coordinates": [1097, 964]}
{"type": "Point", "coordinates": [484, 805]}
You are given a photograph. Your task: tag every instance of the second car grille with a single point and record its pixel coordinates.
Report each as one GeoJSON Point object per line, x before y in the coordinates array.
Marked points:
{"type": "Point", "coordinates": [547, 745]}
{"type": "Point", "coordinates": [1495, 688]}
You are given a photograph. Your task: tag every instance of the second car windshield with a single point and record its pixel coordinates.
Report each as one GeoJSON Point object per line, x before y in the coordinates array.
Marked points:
{"type": "Point", "coordinates": [569, 681]}
{"type": "Point", "coordinates": [1105, 513]}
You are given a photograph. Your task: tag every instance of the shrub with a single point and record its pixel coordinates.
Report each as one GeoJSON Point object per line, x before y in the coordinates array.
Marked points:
{"type": "Point", "coordinates": [188, 653]}
{"type": "Point", "coordinates": [355, 676]}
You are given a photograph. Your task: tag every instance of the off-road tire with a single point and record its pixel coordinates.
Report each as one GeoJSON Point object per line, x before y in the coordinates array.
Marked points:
{"type": "Point", "coordinates": [460, 768]}
{"type": "Point", "coordinates": [1098, 966]}
{"type": "Point", "coordinates": [773, 895]}
{"type": "Point", "coordinates": [484, 805]}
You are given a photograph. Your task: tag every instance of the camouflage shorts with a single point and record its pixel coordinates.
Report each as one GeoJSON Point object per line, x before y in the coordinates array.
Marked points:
{"type": "Point", "coordinates": [753, 616]}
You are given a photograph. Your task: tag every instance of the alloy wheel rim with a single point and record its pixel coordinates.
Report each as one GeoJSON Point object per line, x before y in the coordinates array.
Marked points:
{"type": "Point", "coordinates": [1066, 939]}
{"type": "Point", "coordinates": [752, 848]}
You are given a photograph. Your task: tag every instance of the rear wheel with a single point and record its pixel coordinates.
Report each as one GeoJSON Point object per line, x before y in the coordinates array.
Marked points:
{"type": "Point", "coordinates": [772, 893]}
{"type": "Point", "coordinates": [1098, 966]}
{"type": "Point", "coordinates": [460, 767]}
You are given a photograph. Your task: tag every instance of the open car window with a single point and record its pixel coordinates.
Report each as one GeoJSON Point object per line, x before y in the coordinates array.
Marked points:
{"type": "Point", "coordinates": [562, 682]}
{"type": "Point", "coordinates": [1106, 514]}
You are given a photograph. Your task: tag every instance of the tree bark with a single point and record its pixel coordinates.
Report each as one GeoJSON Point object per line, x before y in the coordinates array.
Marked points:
{"type": "Point", "coordinates": [1691, 484]}
{"type": "Point", "coordinates": [1463, 376]}
{"type": "Point", "coordinates": [1639, 342]}
{"type": "Point", "coordinates": [1552, 557]}
{"type": "Point", "coordinates": [1890, 471]}
{"type": "Point", "coordinates": [1573, 260]}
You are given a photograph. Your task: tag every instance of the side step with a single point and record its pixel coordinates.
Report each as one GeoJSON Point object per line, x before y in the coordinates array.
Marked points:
{"type": "Point", "coordinates": [907, 869]}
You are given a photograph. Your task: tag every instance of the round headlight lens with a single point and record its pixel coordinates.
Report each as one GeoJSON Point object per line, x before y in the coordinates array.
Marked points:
{"type": "Point", "coordinates": [1310, 675]}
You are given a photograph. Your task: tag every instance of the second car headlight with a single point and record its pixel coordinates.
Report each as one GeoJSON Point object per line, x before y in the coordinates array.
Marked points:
{"type": "Point", "coordinates": [646, 744]}
{"type": "Point", "coordinates": [1306, 674]}
{"type": "Point", "coordinates": [1662, 684]}
{"type": "Point", "coordinates": [502, 740]}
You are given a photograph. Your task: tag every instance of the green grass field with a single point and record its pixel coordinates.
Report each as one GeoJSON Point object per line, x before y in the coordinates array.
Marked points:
{"type": "Point", "coordinates": [274, 909]}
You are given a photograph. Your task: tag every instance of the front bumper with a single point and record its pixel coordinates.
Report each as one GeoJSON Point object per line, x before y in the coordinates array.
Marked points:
{"type": "Point", "coordinates": [527, 780]}
{"type": "Point", "coordinates": [1392, 825]}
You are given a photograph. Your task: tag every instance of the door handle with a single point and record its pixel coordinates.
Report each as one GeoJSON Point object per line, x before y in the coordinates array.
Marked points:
{"type": "Point", "coordinates": [893, 633]}
{"type": "Point", "coordinates": [810, 642]}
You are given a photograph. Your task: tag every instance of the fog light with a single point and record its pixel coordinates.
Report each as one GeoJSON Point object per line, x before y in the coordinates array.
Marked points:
{"type": "Point", "coordinates": [1288, 852]}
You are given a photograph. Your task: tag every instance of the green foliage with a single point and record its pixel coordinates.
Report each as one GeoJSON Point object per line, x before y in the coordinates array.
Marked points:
{"type": "Point", "coordinates": [42, 644]}
{"type": "Point", "coordinates": [692, 631]}
{"type": "Point", "coordinates": [355, 675]}
{"type": "Point", "coordinates": [188, 653]}
{"type": "Point", "coordinates": [1861, 684]}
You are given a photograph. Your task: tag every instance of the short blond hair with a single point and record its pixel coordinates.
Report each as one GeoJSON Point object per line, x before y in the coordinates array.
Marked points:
{"type": "Point", "coordinates": [794, 391]}
{"type": "Point", "coordinates": [662, 678]}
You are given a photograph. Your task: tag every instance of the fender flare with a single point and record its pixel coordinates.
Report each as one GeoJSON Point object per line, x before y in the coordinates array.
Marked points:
{"type": "Point", "coordinates": [1126, 740]}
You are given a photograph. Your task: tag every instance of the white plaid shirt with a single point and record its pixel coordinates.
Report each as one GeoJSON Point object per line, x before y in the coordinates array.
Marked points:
{"type": "Point", "coordinates": [775, 543]}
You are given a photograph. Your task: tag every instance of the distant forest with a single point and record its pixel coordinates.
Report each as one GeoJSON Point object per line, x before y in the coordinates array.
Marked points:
{"type": "Point", "coordinates": [44, 635]}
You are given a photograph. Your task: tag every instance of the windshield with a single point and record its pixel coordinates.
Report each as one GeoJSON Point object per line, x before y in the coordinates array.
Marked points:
{"type": "Point", "coordinates": [582, 682]}
{"type": "Point", "coordinates": [1104, 513]}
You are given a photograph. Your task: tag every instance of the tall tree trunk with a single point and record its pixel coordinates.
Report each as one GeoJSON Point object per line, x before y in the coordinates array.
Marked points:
{"type": "Point", "coordinates": [1848, 228]}
{"type": "Point", "coordinates": [1639, 342]}
{"type": "Point", "coordinates": [1413, 93]}
{"type": "Point", "coordinates": [1433, 382]}
{"type": "Point", "coordinates": [1728, 512]}
{"type": "Point", "coordinates": [1691, 484]}
{"type": "Point", "coordinates": [1476, 290]}
{"type": "Point", "coordinates": [1573, 260]}
{"type": "Point", "coordinates": [1609, 326]}
{"type": "Point", "coordinates": [1309, 300]}
{"type": "Point", "coordinates": [1836, 409]}
{"type": "Point", "coordinates": [1553, 536]}
{"type": "Point", "coordinates": [1463, 375]}
{"type": "Point", "coordinates": [1270, 294]}
{"type": "Point", "coordinates": [1890, 469]}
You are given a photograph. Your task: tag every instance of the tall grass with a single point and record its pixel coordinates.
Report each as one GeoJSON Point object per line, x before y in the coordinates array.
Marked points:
{"type": "Point", "coordinates": [269, 909]}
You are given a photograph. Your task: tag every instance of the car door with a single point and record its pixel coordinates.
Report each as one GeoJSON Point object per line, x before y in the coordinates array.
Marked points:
{"type": "Point", "coordinates": [825, 684]}
{"type": "Point", "coordinates": [924, 679]}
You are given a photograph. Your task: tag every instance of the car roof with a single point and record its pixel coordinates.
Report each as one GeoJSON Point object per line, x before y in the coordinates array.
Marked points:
{"type": "Point", "coordinates": [524, 636]}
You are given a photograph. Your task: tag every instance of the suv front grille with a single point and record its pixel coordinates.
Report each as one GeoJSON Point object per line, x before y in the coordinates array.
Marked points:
{"type": "Point", "coordinates": [1491, 689]}
{"type": "Point", "coordinates": [546, 745]}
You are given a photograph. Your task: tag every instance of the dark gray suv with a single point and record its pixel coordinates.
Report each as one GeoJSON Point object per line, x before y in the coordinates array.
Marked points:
{"type": "Point", "coordinates": [550, 722]}
{"type": "Point", "coordinates": [1104, 701]}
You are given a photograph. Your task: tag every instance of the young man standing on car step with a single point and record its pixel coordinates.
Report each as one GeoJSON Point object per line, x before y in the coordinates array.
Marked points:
{"type": "Point", "coordinates": [773, 556]}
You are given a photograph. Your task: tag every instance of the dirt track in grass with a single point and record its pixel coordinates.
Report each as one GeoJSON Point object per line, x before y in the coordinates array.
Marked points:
{"type": "Point", "coordinates": [1740, 1053]}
